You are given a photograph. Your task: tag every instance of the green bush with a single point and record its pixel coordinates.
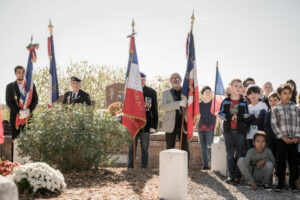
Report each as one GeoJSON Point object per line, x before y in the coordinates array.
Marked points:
{"type": "Point", "coordinates": [70, 137]}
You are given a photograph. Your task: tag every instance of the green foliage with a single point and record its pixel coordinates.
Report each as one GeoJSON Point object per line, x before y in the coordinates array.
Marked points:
{"type": "Point", "coordinates": [24, 186]}
{"type": "Point", "coordinates": [70, 137]}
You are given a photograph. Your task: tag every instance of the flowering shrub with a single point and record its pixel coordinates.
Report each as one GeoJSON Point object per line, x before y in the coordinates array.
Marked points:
{"type": "Point", "coordinates": [6, 167]}
{"type": "Point", "coordinates": [36, 177]}
{"type": "Point", "coordinates": [73, 137]}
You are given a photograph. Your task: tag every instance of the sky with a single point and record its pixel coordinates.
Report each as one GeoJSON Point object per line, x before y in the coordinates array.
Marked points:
{"type": "Point", "coordinates": [257, 38]}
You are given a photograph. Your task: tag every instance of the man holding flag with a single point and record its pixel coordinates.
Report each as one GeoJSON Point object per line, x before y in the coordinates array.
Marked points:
{"type": "Point", "coordinates": [21, 96]}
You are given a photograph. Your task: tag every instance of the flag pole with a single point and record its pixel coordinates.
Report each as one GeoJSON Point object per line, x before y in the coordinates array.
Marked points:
{"type": "Point", "coordinates": [183, 109]}
{"type": "Point", "coordinates": [134, 145]}
{"type": "Point", "coordinates": [217, 69]}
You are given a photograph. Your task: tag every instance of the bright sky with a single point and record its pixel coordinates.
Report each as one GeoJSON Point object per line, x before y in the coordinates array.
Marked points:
{"type": "Point", "coordinates": [257, 38]}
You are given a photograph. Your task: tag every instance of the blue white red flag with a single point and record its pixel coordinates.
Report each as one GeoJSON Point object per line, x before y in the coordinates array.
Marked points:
{"type": "Point", "coordinates": [134, 114]}
{"type": "Point", "coordinates": [219, 94]}
{"type": "Point", "coordinates": [53, 85]}
{"type": "Point", "coordinates": [27, 91]}
{"type": "Point", "coordinates": [1, 127]}
{"type": "Point", "coordinates": [190, 91]}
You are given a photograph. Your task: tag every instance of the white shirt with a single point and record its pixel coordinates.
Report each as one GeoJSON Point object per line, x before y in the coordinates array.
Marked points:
{"type": "Point", "coordinates": [255, 110]}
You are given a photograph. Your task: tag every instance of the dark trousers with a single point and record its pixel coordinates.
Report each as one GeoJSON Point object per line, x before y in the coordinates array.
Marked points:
{"type": "Point", "coordinates": [250, 144]}
{"type": "Point", "coordinates": [235, 144]}
{"type": "Point", "coordinates": [144, 140]}
{"type": "Point", "coordinates": [287, 152]}
{"type": "Point", "coordinates": [171, 140]}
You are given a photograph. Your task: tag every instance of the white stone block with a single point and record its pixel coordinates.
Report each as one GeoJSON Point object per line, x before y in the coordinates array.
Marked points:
{"type": "Point", "coordinates": [219, 158]}
{"type": "Point", "coordinates": [8, 189]}
{"type": "Point", "coordinates": [173, 174]}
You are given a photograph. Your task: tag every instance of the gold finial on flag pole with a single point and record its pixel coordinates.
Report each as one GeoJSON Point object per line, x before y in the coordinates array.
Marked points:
{"type": "Point", "coordinates": [132, 24]}
{"type": "Point", "coordinates": [31, 39]}
{"type": "Point", "coordinates": [50, 27]}
{"type": "Point", "coordinates": [192, 22]}
{"type": "Point", "coordinates": [217, 64]}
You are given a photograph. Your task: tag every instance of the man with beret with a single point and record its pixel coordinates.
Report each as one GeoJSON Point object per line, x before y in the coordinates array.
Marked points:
{"type": "Point", "coordinates": [150, 98]}
{"type": "Point", "coordinates": [76, 96]}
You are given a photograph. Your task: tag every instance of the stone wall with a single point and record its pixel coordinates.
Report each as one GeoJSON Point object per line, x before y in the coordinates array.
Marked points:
{"type": "Point", "coordinates": [158, 144]}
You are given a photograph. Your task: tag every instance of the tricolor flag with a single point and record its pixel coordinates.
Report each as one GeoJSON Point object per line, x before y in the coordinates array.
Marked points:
{"type": "Point", "coordinates": [53, 85]}
{"type": "Point", "coordinates": [190, 91]}
{"type": "Point", "coordinates": [134, 114]}
{"type": "Point", "coordinates": [27, 91]}
{"type": "Point", "coordinates": [219, 94]}
{"type": "Point", "coordinates": [1, 127]}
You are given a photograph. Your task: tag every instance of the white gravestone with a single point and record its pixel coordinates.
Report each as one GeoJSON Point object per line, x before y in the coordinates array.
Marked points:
{"type": "Point", "coordinates": [8, 189]}
{"type": "Point", "coordinates": [173, 174]}
{"type": "Point", "coordinates": [219, 158]}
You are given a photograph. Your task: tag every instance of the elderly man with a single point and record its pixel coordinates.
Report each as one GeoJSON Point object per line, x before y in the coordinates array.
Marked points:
{"type": "Point", "coordinates": [173, 107]}
{"type": "Point", "coordinates": [76, 96]}
{"type": "Point", "coordinates": [150, 98]}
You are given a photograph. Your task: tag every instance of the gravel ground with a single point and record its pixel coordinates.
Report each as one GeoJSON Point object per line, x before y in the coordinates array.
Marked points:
{"type": "Point", "coordinates": [120, 183]}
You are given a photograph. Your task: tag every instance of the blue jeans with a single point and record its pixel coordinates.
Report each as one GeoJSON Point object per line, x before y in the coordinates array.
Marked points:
{"type": "Point", "coordinates": [144, 140]}
{"type": "Point", "coordinates": [236, 145]}
{"type": "Point", "coordinates": [206, 139]}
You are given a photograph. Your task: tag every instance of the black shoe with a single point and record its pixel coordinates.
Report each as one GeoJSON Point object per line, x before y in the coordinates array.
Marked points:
{"type": "Point", "coordinates": [205, 168]}
{"type": "Point", "coordinates": [279, 188]}
{"type": "Point", "coordinates": [229, 181]}
{"type": "Point", "coordinates": [294, 189]}
{"type": "Point", "coordinates": [236, 181]}
{"type": "Point", "coordinates": [267, 186]}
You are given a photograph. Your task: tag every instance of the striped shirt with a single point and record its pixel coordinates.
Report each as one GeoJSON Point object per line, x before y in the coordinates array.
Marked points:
{"type": "Point", "coordinates": [285, 120]}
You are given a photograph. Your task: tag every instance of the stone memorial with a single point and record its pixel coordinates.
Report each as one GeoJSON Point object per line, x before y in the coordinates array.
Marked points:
{"type": "Point", "coordinates": [114, 93]}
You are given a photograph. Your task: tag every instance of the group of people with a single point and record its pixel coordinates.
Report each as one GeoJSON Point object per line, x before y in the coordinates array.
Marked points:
{"type": "Point", "coordinates": [261, 127]}
{"type": "Point", "coordinates": [17, 90]}
{"type": "Point", "coordinates": [261, 133]}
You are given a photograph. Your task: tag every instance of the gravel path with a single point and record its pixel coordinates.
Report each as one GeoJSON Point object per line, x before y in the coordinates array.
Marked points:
{"type": "Point", "coordinates": [120, 183]}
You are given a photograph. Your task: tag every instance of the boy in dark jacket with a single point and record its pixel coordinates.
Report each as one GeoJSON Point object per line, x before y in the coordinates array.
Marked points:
{"type": "Point", "coordinates": [234, 112]}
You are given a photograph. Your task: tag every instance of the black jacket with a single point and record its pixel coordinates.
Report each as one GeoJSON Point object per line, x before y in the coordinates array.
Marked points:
{"type": "Point", "coordinates": [12, 97]}
{"type": "Point", "coordinates": [242, 115]}
{"type": "Point", "coordinates": [152, 113]}
{"type": "Point", "coordinates": [82, 97]}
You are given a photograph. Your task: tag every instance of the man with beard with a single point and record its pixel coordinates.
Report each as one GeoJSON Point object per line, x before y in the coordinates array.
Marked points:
{"type": "Point", "coordinates": [14, 91]}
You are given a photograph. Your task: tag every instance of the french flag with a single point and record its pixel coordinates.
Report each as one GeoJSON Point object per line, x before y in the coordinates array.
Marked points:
{"type": "Point", "coordinates": [190, 91]}
{"type": "Point", "coordinates": [53, 85]}
{"type": "Point", "coordinates": [134, 114]}
{"type": "Point", "coordinates": [27, 92]}
{"type": "Point", "coordinates": [219, 93]}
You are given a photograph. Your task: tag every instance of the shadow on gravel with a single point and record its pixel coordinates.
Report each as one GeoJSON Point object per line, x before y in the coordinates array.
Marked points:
{"type": "Point", "coordinates": [211, 182]}
{"type": "Point", "coordinates": [138, 178]}
{"type": "Point", "coordinates": [87, 179]}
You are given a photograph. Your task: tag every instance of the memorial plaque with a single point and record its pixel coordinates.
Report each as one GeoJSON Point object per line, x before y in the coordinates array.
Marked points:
{"type": "Point", "coordinates": [114, 93]}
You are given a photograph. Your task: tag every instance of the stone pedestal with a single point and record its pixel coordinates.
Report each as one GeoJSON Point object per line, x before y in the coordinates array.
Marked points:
{"type": "Point", "coordinates": [5, 148]}
{"type": "Point", "coordinates": [219, 158]}
{"type": "Point", "coordinates": [8, 189]}
{"type": "Point", "coordinates": [173, 173]}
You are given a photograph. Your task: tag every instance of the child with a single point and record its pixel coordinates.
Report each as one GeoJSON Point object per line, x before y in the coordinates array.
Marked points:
{"type": "Point", "coordinates": [234, 112]}
{"type": "Point", "coordinates": [257, 111]}
{"type": "Point", "coordinates": [258, 165]}
{"type": "Point", "coordinates": [271, 137]}
{"type": "Point", "coordinates": [206, 126]}
{"type": "Point", "coordinates": [285, 122]}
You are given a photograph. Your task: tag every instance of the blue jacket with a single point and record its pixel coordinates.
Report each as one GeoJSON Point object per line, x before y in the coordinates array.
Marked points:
{"type": "Point", "coordinates": [242, 115]}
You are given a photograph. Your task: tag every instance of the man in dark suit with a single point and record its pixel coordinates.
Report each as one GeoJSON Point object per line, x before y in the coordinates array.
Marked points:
{"type": "Point", "coordinates": [76, 96]}
{"type": "Point", "coordinates": [150, 98]}
{"type": "Point", "coordinates": [13, 93]}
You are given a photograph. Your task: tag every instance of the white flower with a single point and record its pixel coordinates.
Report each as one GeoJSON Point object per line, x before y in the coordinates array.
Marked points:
{"type": "Point", "coordinates": [39, 175]}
